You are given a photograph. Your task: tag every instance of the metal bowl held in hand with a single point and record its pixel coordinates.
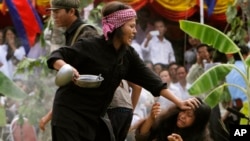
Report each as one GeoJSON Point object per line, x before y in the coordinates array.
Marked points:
{"type": "Point", "coordinates": [89, 81]}
{"type": "Point", "coordinates": [64, 75]}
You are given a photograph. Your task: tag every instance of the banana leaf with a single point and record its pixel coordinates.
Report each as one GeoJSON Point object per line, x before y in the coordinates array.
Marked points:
{"type": "Point", "coordinates": [2, 116]}
{"type": "Point", "coordinates": [247, 61]}
{"type": "Point", "coordinates": [210, 79]}
{"type": "Point", "coordinates": [10, 89]}
{"type": "Point", "coordinates": [244, 110]}
{"type": "Point", "coordinates": [216, 95]}
{"type": "Point", "coordinates": [209, 35]}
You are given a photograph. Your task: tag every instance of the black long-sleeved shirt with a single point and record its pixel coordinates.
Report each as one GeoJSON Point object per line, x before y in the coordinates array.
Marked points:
{"type": "Point", "coordinates": [70, 32]}
{"type": "Point", "coordinates": [76, 107]}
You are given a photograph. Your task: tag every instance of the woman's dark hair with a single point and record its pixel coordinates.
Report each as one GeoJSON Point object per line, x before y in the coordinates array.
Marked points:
{"type": "Point", "coordinates": [167, 125]}
{"type": "Point", "coordinates": [10, 53]}
{"type": "Point", "coordinates": [3, 40]}
{"type": "Point", "coordinates": [219, 57]}
{"type": "Point", "coordinates": [209, 48]}
{"type": "Point", "coordinates": [110, 8]}
{"type": "Point", "coordinates": [244, 50]}
{"type": "Point", "coordinates": [202, 115]}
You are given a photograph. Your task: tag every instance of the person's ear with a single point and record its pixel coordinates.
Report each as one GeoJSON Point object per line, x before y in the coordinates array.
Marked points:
{"type": "Point", "coordinates": [72, 11]}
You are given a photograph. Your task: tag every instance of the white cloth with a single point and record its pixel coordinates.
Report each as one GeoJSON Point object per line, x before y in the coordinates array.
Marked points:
{"type": "Point", "coordinates": [36, 51]}
{"type": "Point", "coordinates": [122, 97]}
{"type": "Point", "coordinates": [184, 91]}
{"type": "Point", "coordinates": [137, 48]}
{"type": "Point", "coordinates": [165, 103]}
{"type": "Point", "coordinates": [8, 68]}
{"type": "Point", "coordinates": [143, 107]}
{"type": "Point", "coordinates": [159, 51]}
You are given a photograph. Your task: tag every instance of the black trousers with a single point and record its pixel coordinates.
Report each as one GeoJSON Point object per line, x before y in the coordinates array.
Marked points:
{"type": "Point", "coordinates": [65, 134]}
{"type": "Point", "coordinates": [120, 119]}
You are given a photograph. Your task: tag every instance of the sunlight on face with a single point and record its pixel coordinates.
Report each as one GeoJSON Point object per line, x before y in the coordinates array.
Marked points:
{"type": "Point", "coordinates": [129, 31]}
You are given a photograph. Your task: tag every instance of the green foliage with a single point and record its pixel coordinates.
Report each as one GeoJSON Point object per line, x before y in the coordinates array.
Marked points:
{"type": "Point", "coordinates": [238, 21]}
{"type": "Point", "coordinates": [247, 61]}
{"type": "Point", "coordinates": [2, 115]}
{"type": "Point", "coordinates": [217, 94]}
{"type": "Point", "coordinates": [95, 15]}
{"type": "Point", "coordinates": [39, 100]}
{"type": "Point", "coordinates": [84, 3]}
{"type": "Point", "coordinates": [31, 65]}
{"type": "Point", "coordinates": [210, 36]}
{"type": "Point", "coordinates": [212, 81]}
{"type": "Point", "coordinates": [10, 89]}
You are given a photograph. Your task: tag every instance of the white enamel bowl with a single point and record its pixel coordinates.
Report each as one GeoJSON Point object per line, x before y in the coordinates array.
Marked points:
{"type": "Point", "coordinates": [89, 81]}
{"type": "Point", "coordinates": [64, 75]}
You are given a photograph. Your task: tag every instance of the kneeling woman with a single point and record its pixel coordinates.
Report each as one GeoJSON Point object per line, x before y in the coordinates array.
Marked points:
{"type": "Point", "coordinates": [176, 125]}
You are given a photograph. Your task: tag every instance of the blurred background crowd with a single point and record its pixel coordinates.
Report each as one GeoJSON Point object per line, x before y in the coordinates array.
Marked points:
{"type": "Point", "coordinates": [176, 57]}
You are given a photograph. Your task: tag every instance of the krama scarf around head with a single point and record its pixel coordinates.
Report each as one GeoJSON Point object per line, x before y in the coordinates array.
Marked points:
{"type": "Point", "coordinates": [115, 20]}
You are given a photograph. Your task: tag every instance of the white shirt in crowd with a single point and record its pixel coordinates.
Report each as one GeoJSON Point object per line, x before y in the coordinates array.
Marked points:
{"type": "Point", "coordinates": [137, 48]}
{"type": "Point", "coordinates": [8, 68]}
{"type": "Point", "coordinates": [158, 51]}
{"type": "Point", "coordinates": [165, 103]}
{"type": "Point", "coordinates": [184, 91]}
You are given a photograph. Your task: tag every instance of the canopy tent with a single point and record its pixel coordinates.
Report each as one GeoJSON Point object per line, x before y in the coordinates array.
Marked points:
{"type": "Point", "coordinates": [176, 10]}
{"type": "Point", "coordinates": [171, 10]}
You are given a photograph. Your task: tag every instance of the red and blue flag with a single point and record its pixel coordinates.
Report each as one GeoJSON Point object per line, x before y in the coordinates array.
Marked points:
{"type": "Point", "coordinates": [26, 21]}
{"type": "Point", "coordinates": [210, 6]}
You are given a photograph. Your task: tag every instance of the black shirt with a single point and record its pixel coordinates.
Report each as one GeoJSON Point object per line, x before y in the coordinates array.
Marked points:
{"type": "Point", "coordinates": [79, 108]}
{"type": "Point", "coordinates": [70, 32]}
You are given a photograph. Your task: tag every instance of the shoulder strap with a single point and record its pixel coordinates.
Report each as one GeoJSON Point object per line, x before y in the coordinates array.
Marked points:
{"type": "Point", "coordinates": [79, 29]}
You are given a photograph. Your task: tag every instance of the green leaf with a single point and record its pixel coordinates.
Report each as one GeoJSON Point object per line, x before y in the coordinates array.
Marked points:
{"type": "Point", "coordinates": [226, 97]}
{"type": "Point", "coordinates": [209, 35]}
{"type": "Point", "coordinates": [2, 116]}
{"type": "Point", "coordinates": [231, 13]}
{"type": "Point", "coordinates": [210, 79]}
{"type": "Point", "coordinates": [247, 61]}
{"type": "Point", "coordinates": [214, 97]}
{"type": "Point", "coordinates": [10, 89]}
{"type": "Point", "coordinates": [84, 3]}
{"type": "Point", "coordinates": [244, 110]}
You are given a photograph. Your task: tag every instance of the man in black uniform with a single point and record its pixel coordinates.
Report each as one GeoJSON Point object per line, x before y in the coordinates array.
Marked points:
{"type": "Point", "coordinates": [78, 113]}
{"type": "Point", "coordinates": [66, 15]}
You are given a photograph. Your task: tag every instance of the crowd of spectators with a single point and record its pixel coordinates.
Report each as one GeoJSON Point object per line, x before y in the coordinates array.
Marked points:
{"type": "Point", "coordinates": [154, 49]}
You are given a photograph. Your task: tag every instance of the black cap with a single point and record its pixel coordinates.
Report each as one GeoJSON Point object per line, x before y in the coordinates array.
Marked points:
{"type": "Point", "coordinates": [61, 4]}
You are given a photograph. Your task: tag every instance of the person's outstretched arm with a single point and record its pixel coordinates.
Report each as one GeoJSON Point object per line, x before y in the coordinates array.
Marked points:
{"type": "Point", "coordinates": [190, 103]}
{"type": "Point", "coordinates": [136, 92]}
{"type": "Point", "coordinates": [45, 119]}
{"type": "Point", "coordinates": [147, 124]}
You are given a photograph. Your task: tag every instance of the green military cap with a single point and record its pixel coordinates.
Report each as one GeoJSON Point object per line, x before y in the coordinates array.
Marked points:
{"type": "Point", "coordinates": [61, 4]}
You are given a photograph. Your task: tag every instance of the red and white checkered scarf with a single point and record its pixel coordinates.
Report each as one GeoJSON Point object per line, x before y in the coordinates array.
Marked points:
{"type": "Point", "coordinates": [115, 20]}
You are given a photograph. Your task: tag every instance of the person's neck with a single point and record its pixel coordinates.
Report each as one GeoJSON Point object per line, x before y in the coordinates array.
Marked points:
{"type": "Point", "coordinates": [72, 20]}
{"type": "Point", "coordinates": [183, 83]}
{"type": "Point", "coordinates": [117, 44]}
{"type": "Point", "coordinates": [160, 38]}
